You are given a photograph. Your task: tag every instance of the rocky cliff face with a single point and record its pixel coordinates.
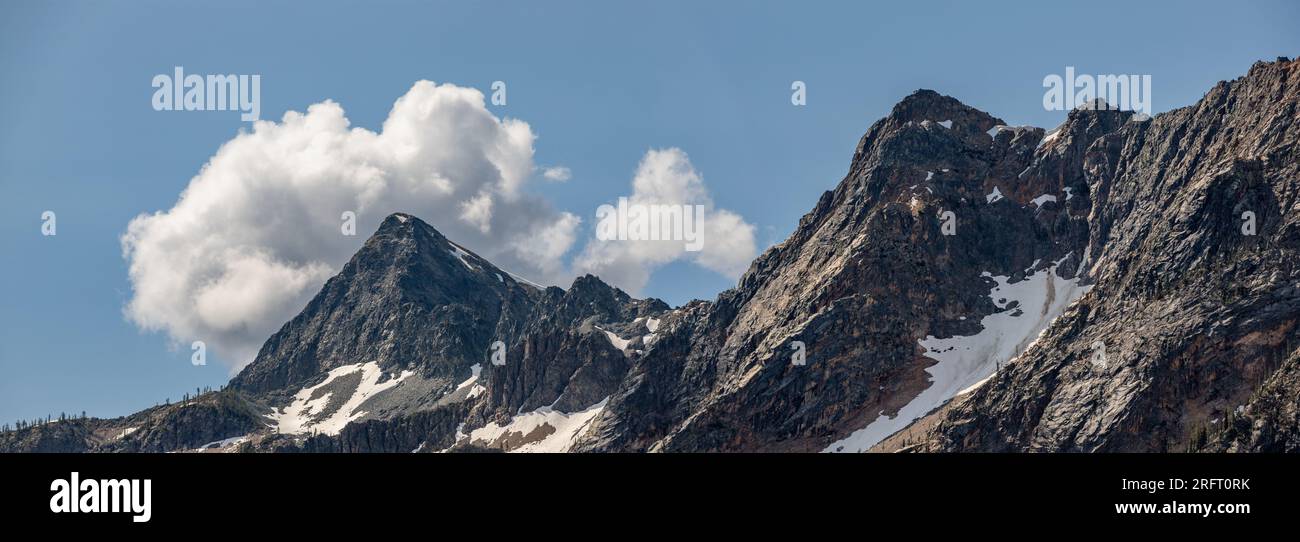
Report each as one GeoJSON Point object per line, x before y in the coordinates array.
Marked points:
{"type": "Point", "coordinates": [1119, 284]}
{"type": "Point", "coordinates": [1180, 316]}
{"type": "Point", "coordinates": [1266, 423]}
{"type": "Point", "coordinates": [409, 299]}
{"type": "Point", "coordinates": [1194, 226]}
{"type": "Point", "coordinates": [935, 204]}
{"type": "Point", "coordinates": [418, 340]}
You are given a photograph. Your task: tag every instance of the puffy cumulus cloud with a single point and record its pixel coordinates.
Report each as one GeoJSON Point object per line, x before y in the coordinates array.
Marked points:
{"type": "Point", "coordinates": [257, 232]}
{"type": "Point", "coordinates": [666, 177]}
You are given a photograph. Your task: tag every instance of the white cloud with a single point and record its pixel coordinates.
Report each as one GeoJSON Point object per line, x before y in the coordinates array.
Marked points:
{"type": "Point", "coordinates": [257, 232]}
{"type": "Point", "coordinates": [557, 174]}
{"type": "Point", "coordinates": [666, 177]}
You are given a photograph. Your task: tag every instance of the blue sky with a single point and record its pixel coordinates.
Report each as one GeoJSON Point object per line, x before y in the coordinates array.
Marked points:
{"type": "Point", "coordinates": [599, 84]}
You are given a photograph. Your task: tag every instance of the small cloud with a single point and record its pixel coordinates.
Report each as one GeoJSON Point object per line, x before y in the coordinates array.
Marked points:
{"type": "Point", "coordinates": [666, 177]}
{"type": "Point", "coordinates": [557, 174]}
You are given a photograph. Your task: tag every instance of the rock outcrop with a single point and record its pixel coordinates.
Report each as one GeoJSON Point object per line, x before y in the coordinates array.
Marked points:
{"type": "Point", "coordinates": [1118, 284]}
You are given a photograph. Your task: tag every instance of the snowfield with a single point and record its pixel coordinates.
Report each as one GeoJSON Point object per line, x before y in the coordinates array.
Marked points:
{"type": "Point", "coordinates": [618, 342]}
{"type": "Point", "coordinates": [307, 411]}
{"type": "Point", "coordinates": [565, 430]}
{"type": "Point", "coordinates": [1044, 198]}
{"type": "Point", "coordinates": [475, 391]}
{"type": "Point", "coordinates": [964, 363]}
{"type": "Point", "coordinates": [223, 445]}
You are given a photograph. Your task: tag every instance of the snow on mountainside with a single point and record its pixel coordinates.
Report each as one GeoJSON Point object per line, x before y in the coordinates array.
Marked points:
{"type": "Point", "coordinates": [329, 406]}
{"type": "Point", "coordinates": [966, 362]}
{"type": "Point", "coordinates": [1188, 335]}
{"type": "Point", "coordinates": [954, 284]}
{"type": "Point", "coordinates": [542, 430]}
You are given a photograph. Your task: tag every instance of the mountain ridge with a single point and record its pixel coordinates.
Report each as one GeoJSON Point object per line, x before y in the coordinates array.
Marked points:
{"type": "Point", "coordinates": [953, 286]}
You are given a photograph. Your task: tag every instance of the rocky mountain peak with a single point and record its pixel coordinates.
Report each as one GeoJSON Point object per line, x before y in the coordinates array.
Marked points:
{"type": "Point", "coordinates": [1116, 284]}
{"type": "Point", "coordinates": [408, 299]}
{"type": "Point", "coordinates": [926, 105]}
{"type": "Point", "coordinates": [1189, 335]}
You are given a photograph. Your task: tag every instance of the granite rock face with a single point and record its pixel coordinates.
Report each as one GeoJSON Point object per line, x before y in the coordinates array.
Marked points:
{"type": "Point", "coordinates": [1194, 249]}
{"type": "Point", "coordinates": [408, 299]}
{"type": "Point", "coordinates": [1120, 284]}
{"type": "Point", "coordinates": [868, 272]}
{"type": "Point", "coordinates": [1185, 316]}
{"type": "Point", "coordinates": [1266, 423]}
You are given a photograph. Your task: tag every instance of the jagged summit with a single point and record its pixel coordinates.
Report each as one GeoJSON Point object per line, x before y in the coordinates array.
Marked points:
{"type": "Point", "coordinates": [402, 225]}
{"type": "Point", "coordinates": [415, 322]}
{"type": "Point", "coordinates": [1189, 334]}
{"type": "Point", "coordinates": [928, 105]}
{"type": "Point", "coordinates": [949, 294]}
{"type": "Point", "coordinates": [397, 303]}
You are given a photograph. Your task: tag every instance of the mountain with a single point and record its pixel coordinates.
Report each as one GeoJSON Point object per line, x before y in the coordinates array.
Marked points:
{"type": "Point", "coordinates": [403, 339]}
{"type": "Point", "coordinates": [1119, 284]}
{"type": "Point", "coordinates": [1194, 235]}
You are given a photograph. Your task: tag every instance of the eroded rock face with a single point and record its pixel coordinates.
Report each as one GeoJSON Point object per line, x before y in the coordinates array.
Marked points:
{"type": "Point", "coordinates": [1192, 314]}
{"type": "Point", "coordinates": [1195, 316]}
{"type": "Point", "coordinates": [409, 299]}
{"type": "Point", "coordinates": [436, 320]}
{"type": "Point", "coordinates": [566, 356]}
{"type": "Point", "coordinates": [1266, 423]}
{"type": "Point", "coordinates": [867, 273]}
{"type": "Point", "coordinates": [1088, 289]}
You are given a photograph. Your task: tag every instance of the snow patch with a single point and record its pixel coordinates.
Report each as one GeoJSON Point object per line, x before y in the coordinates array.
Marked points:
{"type": "Point", "coordinates": [224, 443]}
{"type": "Point", "coordinates": [525, 281]}
{"type": "Point", "coordinates": [995, 196]}
{"type": "Point", "coordinates": [460, 254]}
{"type": "Point", "coordinates": [1049, 138]}
{"type": "Point", "coordinates": [300, 416]}
{"type": "Point", "coordinates": [652, 324]}
{"type": "Point", "coordinates": [966, 362]}
{"type": "Point", "coordinates": [567, 428]}
{"type": "Point", "coordinates": [946, 124]}
{"type": "Point", "coordinates": [1040, 200]}
{"type": "Point", "coordinates": [993, 132]}
{"type": "Point", "coordinates": [615, 340]}
{"type": "Point", "coordinates": [477, 388]}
